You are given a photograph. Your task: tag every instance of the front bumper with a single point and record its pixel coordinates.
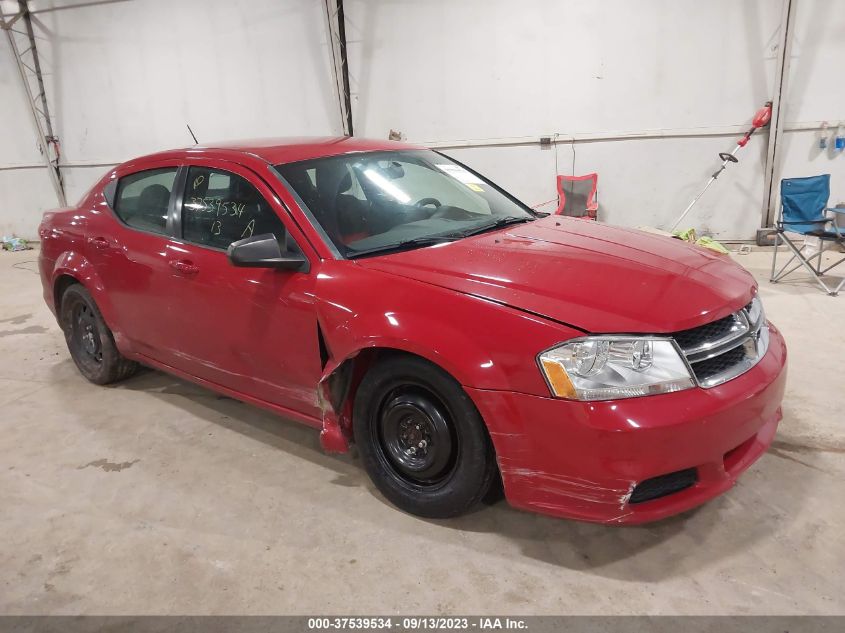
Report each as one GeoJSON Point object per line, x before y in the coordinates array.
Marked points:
{"type": "Point", "coordinates": [582, 460]}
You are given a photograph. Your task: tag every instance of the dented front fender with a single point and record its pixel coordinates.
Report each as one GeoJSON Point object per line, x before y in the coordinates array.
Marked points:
{"type": "Point", "coordinates": [482, 344]}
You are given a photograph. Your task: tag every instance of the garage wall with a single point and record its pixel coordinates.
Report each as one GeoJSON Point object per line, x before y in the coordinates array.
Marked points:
{"type": "Point", "coordinates": [124, 78]}
{"type": "Point", "coordinates": [815, 93]}
{"type": "Point", "coordinates": [483, 72]}
{"type": "Point", "coordinates": [21, 187]}
{"type": "Point", "coordinates": [650, 91]}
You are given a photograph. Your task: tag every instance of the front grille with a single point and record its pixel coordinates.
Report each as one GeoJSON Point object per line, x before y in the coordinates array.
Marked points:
{"type": "Point", "coordinates": [663, 485]}
{"type": "Point", "coordinates": [723, 349]}
{"type": "Point", "coordinates": [714, 331]}
{"type": "Point", "coordinates": [706, 369]}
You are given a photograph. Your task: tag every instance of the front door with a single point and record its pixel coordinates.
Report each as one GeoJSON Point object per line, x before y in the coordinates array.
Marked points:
{"type": "Point", "coordinates": [250, 329]}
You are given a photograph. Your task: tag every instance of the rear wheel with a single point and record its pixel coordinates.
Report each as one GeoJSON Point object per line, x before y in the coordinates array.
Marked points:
{"type": "Point", "coordinates": [421, 439]}
{"type": "Point", "coordinates": [89, 339]}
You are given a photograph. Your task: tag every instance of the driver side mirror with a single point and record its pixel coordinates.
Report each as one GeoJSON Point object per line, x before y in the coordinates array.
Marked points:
{"type": "Point", "coordinates": [263, 251]}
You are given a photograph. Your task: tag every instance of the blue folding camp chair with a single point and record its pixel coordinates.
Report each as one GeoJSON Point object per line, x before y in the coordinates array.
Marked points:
{"type": "Point", "coordinates": [803, 210]}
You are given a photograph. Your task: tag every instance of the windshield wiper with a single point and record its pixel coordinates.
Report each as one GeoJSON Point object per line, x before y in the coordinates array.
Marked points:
{"type": "Point", "coordinates": [428, 240]}
{"type": "Point", "coordinates": [501, 222]}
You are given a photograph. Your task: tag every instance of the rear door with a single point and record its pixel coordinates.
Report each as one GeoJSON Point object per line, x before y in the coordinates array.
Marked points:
{"type": "Point", "coordinates": [250, 329]}
{"type": "Point", "coordinates": [128, 249]}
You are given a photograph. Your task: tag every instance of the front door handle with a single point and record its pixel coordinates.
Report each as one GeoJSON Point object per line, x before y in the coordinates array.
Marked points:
{"type": "Point", "coordinates": [183, 266]}
{"type": "Point", "coordinates": [99, 243]}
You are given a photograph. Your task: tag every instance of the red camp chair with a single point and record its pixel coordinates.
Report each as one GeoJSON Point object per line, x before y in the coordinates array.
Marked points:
{"type": "Point", "coordinates": [578, 196]}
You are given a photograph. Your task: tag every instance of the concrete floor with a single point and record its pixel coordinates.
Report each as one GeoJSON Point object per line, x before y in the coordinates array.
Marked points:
{"type": "Point", "coordinates": [156, 496]}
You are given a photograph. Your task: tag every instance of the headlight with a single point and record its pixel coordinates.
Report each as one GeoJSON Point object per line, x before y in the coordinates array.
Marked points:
{"type": "Point", "coordinates": [611, 367]}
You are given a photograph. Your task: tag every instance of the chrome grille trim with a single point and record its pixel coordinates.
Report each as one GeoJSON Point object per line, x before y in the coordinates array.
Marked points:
{"type": "Point", "coordinates": [713, 347]}
{"type": "Point", "coordinates": [739, 344]}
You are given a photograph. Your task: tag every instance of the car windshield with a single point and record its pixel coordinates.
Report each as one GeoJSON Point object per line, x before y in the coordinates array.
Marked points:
{"type": "Point", "coordinates": [376, 202]}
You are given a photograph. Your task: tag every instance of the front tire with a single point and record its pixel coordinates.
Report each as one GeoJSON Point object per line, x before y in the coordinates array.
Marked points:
{"type": "Point", "coordinates": [422, 441]}
{"type": "Point", "coordinates": [89, 339]}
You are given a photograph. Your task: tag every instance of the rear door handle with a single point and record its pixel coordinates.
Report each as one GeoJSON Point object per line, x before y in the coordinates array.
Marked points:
{"type": "Point", "coordinates": [98, 242]}
{"type": "Point", "coordinates": [184, 267]}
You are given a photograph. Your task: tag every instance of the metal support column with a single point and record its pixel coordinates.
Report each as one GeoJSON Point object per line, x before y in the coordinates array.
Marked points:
{"type": "Point", "coordinates": [336, 32]}
{"type": "Point", "coordinates": [770, 189]}
{"type": "Point", "coordinates": [29, 69]}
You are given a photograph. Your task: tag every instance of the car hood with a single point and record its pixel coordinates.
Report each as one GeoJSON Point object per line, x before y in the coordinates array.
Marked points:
{"type": "Point", "coordinates": [593, 276]}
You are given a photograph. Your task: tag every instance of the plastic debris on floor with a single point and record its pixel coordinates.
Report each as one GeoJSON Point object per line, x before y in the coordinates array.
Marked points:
{"type": "Point", "coordinates": [703, 241]}
{"type": "Point", "coordinates": [12, 243]}
{"type": "Point", "coordinates": [688, 235]}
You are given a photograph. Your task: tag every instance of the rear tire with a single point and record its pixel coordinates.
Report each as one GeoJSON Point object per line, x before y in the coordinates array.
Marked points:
{"type": "Point", "coordinates": [89, 339]}
{"type": "Point", "coordinates": [421, 439]}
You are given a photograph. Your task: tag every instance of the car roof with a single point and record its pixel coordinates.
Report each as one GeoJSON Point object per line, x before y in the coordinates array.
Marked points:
{"type": "Point", "coordinates": [288, 150]}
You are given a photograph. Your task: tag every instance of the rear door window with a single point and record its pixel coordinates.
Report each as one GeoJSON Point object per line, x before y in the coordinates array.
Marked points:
{"type": "Point", "coordinates": [220, 207]}
{"type": "Point", "coordinates": [143, 198]}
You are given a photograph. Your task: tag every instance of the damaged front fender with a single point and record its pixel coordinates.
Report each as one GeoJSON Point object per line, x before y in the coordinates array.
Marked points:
{"type": "Point", "coordinates": [363, 314]}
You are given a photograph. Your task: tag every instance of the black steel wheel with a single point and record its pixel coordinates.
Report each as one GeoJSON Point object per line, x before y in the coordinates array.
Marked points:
{"type": "Point", "coordinates": [416, 436]}
{"type": "Point", "coordinates": [421, 438]}
{"type": "Point", "coordinates": [84, 335]}
{"type": "Point", "coordinates": [89, 339]}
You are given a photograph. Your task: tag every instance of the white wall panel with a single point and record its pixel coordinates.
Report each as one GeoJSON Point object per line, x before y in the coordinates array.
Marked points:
{"type": "Point", "coordinates": [128, 76]}
{"type": "Point", "coordinates": [23, 192]}
{"type": "Point", "coordinates": [816, 92]}
{"type": "Point", "coordinates": [480, 69]}
{"type": "Point", "coordinates": [442, 70]}
{"type": "Point", "coordinates": [641, 182]}
{"type": "Point", "coordinates": [18, 145]}
{"type": "Point", "coordinates": [124, 78]}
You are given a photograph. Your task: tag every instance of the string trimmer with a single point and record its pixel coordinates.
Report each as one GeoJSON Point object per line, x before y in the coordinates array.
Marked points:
{"type": "Point", "coordinates": [761, 119]}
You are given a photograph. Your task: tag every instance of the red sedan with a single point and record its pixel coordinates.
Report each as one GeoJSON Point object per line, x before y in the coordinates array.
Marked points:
{"type": "Point", "coordinates": [389, 295]}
